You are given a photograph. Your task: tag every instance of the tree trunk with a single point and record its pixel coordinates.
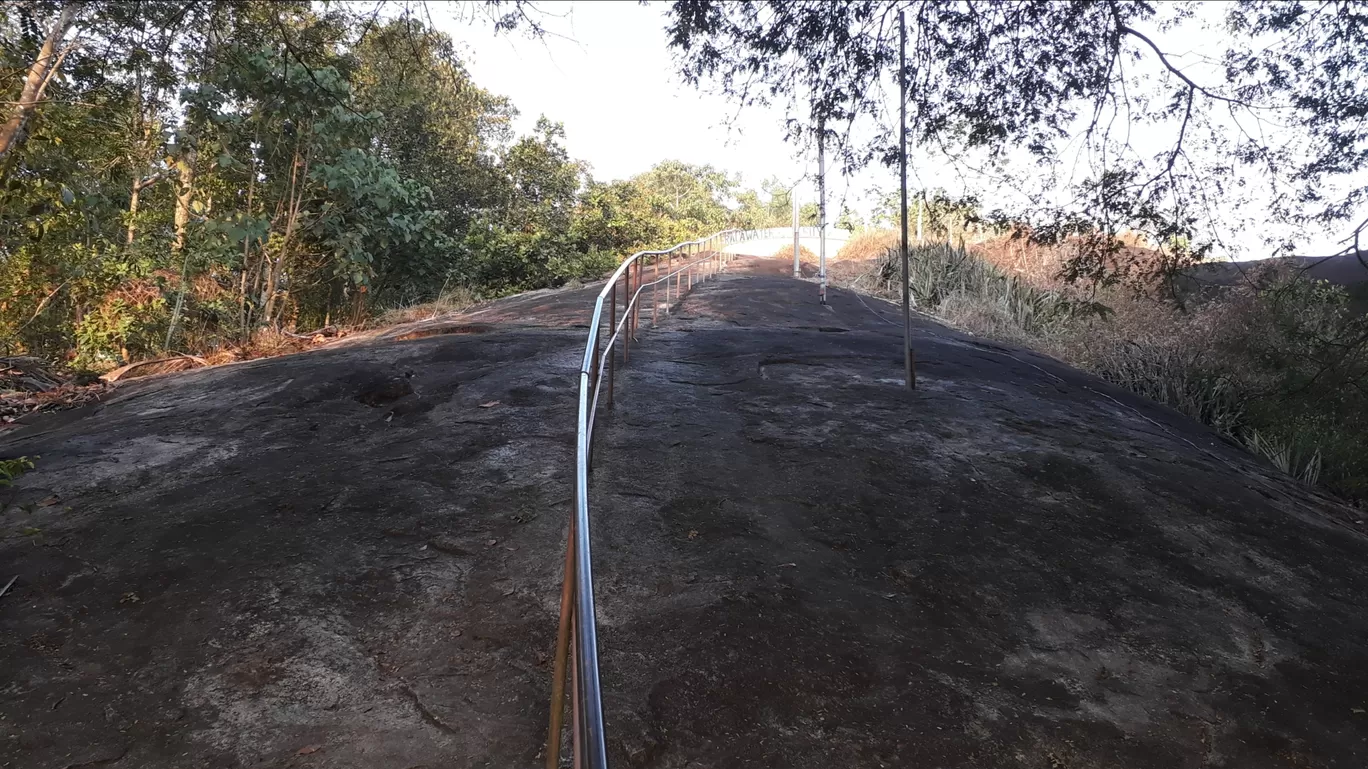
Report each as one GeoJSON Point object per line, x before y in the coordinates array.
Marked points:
{"type": "Point", "coordinates": [243, 314]}
{"type": "Point", "coordinates": [134, 195]}
{"type": "Point", "coordinates": [133, 211]}
{"type": "Point", "coordinates": [44, 67]}
{"type": "Point", "coordinates": [184, 192]}
{"type": "Point", "coordinates": [299, 172]}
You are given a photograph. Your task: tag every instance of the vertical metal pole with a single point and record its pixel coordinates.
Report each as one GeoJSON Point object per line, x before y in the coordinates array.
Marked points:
{"type": "Point", "coordinates": [612, 342]}
{"type": "Point", "coordinates": [797, 268]}
{"type": "Point", "coordinates": [908, 377]}
{"type": "Point", "coordinates": [636, 303]}
{"type": "Point", "coordinates": [655, 285]}
{"type": "Point", "coordinates": [567, 610]}
{"type": "Point", "coordinates": [921, 209]}
{"type": "Point", "coordinates": [821, 211]}
{"type": "Point", "coordinates": [626, 308]}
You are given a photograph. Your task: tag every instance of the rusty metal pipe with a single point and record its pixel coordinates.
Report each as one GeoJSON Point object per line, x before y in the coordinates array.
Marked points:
{"type": "Point", "coordinates": [576, 744]}
{"type": "Point", "coordinates": [567, 610]}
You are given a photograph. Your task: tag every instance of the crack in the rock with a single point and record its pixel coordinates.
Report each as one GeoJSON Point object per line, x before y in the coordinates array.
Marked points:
{"type": "Point", "coordinates": [100, 761]}
{"type": "Point", "coordinates": [708, 384]}
{"type": "Point", "coordinates": [427, 715]}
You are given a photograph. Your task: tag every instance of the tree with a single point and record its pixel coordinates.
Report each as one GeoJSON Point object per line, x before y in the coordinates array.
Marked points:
{"type": "Point", "coordinates": [943, 217]}
{"type": "Point", "coordinates": [281, 195]}
{"type": "Point", "coordinates": [440, 127]}
{"type": "Point", "coordinates": [617, 218]}
{"type": "Point", "coordinates": [45, 66]}
{"type": "Point", "coordinates": [184, 176]}
{"type": "Point", "coordinates": [1285, 101]}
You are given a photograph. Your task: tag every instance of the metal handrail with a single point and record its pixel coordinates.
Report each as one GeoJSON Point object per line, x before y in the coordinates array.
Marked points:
{"type": "Point", "coordinates": [577, 618]}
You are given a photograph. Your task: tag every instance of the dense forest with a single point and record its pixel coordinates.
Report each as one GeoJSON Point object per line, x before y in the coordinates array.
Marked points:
{"type": "Point", "coordinates": [180, 176]}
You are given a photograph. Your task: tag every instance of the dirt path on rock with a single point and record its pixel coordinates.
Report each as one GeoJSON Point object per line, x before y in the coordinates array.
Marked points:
{"type": "Point", "coordinates": [350, 557]}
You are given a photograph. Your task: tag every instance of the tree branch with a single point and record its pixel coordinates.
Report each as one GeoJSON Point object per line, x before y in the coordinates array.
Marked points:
{"type": "Point", "coordinates": [1129, 30]}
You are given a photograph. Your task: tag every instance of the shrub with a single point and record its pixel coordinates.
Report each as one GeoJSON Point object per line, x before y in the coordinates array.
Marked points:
{"type": "Point", "coordinates": [869, 245]}
{"type": "Point", "coordinates": [942, 278]}
{"type": "Point", "coordinates": [451, 300]}
{"type": "Point", "coordinates": [804, 255]}
{"type": "Point", "coordinates": [1277, 364]}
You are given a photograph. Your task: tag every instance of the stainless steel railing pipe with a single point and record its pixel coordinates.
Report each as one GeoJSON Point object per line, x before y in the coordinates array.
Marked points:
{"type": "Point", "coordinates": [577, 639]}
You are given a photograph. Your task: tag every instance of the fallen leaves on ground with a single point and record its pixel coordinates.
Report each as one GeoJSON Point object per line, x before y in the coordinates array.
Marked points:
{"type": "Point", "coordinates": [29, 385]}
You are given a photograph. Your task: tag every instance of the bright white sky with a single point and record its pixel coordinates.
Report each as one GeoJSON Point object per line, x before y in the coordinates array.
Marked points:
{"type": "Point", "coordinates": [606, 72]}
{"type": "Point", "coordinates": [611, 81]}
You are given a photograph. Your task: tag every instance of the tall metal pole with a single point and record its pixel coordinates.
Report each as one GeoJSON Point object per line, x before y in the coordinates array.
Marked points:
{"type": "Point", "coordinates": [821, 211]}
{"type": "Point", "coordinates": [797, 268]}
{"type": "Point", "coordinates": [921, 209]}
{"type": "Point", "coordinates": [909, 377]}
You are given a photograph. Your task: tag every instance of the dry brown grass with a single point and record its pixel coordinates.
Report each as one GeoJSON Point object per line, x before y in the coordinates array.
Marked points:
{"type": "Point", "coordinates": [451, 300]}
{"type": "Point", "coordinates": [1041, 265]}
{"type": "Point", "coordinates": [868, 245]}
{"type": "Point", "coordinates": [1242, 360]}
{"type": "Point", "coordinates": [804, 254]}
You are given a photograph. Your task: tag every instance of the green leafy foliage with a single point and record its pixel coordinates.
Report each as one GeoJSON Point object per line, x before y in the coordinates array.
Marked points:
{"type": "Point", "coordinates": [1261, 138]}
{"type": "Point", "coordinates": [942, 274]}
{"type": "Point", "coordinates": [11, 469]}
{"type": "Point", "coordinates": [1276, 363]}
{"type": "Point", "coordinates": [201, 172]}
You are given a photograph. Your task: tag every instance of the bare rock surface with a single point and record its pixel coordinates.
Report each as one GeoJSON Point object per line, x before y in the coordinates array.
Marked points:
{"type": "Point", "coordinates": [350, 558]}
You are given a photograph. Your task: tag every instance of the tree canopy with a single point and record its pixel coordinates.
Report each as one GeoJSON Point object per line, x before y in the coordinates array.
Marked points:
{"type": "Point", "coordinates": [178, 176]}
{"type": "Point", "coordinates": [1266, 116]}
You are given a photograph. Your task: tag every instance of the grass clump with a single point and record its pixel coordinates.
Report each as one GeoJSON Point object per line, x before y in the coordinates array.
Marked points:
{"type": "Point", "coordinates": [449, 301]}
{"type": "Point", "coordinates": [869, 245]}
{"type": "Point", "coordinates": [1277, 363]}
{"type": "Point", "coordinates": [960, 286]}
{"type": "Point", "coordinates": [804, 255]}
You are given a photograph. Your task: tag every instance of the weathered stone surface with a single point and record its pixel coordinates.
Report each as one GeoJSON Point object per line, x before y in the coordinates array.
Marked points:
{"type": "Point", "coordinates": [301, 562]}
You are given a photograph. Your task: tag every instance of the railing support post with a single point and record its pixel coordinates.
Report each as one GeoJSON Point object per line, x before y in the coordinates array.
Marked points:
{"type": "Point", "coordinates": [567, 611]}
{"type": "Point", "coordinates": [612, 342]}
{"type": "Point", "coordinates": [626, 319]}
{"type": "Point", "coordinates": [636, 305]}
{"type": "Point", "coordinates": [655, 286]}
